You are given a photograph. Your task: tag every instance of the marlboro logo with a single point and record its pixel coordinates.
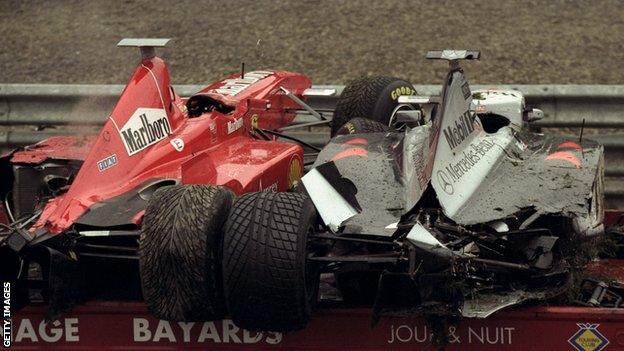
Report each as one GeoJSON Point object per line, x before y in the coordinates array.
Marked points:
{"type": "Point", "coordinates": [146, 127]}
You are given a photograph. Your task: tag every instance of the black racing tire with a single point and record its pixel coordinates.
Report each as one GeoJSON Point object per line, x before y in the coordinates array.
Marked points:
{"type": "Point", "coordinates": [268, 282]}
{"type": "Point", "coordinates": [361, 126]}
{"type": "Point", "coordinates": [370, 97]}
{"type": "Point", "coordinates": [179, 252]}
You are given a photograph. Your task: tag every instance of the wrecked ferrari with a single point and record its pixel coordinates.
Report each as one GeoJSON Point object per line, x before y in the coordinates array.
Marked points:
{"type": "Point", "coordinates": [455, 209]}
{"type": "Point", "coordinates": [154, 186]}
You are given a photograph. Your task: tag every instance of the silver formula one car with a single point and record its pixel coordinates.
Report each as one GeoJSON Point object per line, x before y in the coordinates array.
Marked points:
{"type": "Point", "coordinates": [443, 205]}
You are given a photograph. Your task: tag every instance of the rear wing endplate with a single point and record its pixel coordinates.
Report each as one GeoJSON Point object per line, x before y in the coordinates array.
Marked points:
{"type": "Point", "coordinates": [146, 45]}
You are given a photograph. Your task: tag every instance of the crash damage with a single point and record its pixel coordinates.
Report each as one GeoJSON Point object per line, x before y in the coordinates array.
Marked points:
{"type": "Point", "coordinates": [482, 217]}
{"type": "Point", "coordinates": [452, 208]}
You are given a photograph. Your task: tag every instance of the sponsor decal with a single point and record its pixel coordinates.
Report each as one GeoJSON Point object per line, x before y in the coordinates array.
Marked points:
{"type": "Point", "coordinates": [182, 107]}
{"type": "Point", "coordinates": [402, 91]}
{"type": "Point", "coordinates": [465, 90]}
{"type": "Point", "coordinates": [254, 121]}
{"type": "Point", "coordinates": [234, 125]}
{"type": "Point", "coordinates": [445, 182]}
{"type": "Point", "coordinates": [588, 338]}
{"type": "Point", "coordinates": [456, 134]}
{"type": "Point", "coordinates": [565, 156]}
{"type": "Point", "coordinates": [295, 171]}
{"type": "Point", "coordinates": [355, 141]}
{"type": "Point", "coordinates": [350, 127]}
{"type": "Point", "coordinates": [421, 334]}
{"type": "Point", "coordinates": [208, 332]}
{"type": "Point", "coordinates": [235, 86]}
{"type": "Point", "coordinates": [6, 315]}
{"type": "Point", "coordinates": [269, 189]}
{"type": "Point", "coordinates": [570, 145]}
{"type": "Point", "coordinates": [354, 151]}
{"type": "Point", "coordinates": [145, 127]}
{"type": "Point", "coordinates": [468, 159]}
{"type": "Point", "coordinates": [178, 144]}
{"type": "Point", "coordinates": [107, 163]}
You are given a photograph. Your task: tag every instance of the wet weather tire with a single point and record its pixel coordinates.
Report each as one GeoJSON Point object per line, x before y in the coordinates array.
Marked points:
{"type": "Point", "coordinates": [370, 97]}
{"type": "Point", "coordinates": [179, 252]}
{"type": "Point", "coordinates": [269, 285]}
{"type": "Point", "coordinates": [361, 126]}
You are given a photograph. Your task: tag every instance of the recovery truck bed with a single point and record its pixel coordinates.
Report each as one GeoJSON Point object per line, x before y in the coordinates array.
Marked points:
{"type": "Point", "coordinates": [124, 325]}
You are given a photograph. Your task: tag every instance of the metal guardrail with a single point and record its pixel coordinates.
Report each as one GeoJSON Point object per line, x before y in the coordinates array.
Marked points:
{"type": "Point", "coordinates": [563, 105]}
{"type": "Point", "coordinates": [32, 112]}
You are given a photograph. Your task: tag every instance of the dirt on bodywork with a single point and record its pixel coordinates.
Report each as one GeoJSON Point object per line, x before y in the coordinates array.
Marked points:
{"type": "Point", "coordinates": [483, 218]}
{"type": "Point", "coordinates": [480, 261]}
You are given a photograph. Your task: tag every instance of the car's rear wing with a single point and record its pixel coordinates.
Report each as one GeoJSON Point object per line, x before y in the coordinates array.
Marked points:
{"type": "Point", "coordinates": [146, 45]}
{"type": "Point", "coordinates": [452, 55]}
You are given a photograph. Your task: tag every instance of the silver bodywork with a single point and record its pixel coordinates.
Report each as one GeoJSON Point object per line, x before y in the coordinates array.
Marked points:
{"type": "Point", "coordinates": [470, 199]}
{"type": "Point", "coordinates": [478, 177]}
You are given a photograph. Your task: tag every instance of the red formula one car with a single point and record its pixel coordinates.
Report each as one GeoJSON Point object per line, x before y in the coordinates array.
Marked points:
{"type": "Point", "coordinates": [155, 186]}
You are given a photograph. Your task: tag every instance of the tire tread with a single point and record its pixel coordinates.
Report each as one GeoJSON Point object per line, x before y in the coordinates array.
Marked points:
{"type": "Point", "coordinates": [178, 252]}
{"type": "Point", "coordinates": [264, 259]}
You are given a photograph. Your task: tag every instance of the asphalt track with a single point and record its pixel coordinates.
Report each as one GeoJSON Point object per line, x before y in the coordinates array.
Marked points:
{"type": "Point", "coordinates": [69, 41]}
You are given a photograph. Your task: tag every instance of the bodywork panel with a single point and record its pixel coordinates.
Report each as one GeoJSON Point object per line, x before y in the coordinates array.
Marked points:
{"type": "Point", "coordinates": [521, 173]}
{"type": "Point", "coordinates": [527, 175]}
{"type": "Point", "coordinates": [55, 148]}
{"type": "Point", "coordinates": [366, 171]}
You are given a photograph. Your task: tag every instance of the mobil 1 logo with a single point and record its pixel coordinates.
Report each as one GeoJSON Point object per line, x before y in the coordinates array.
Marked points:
{"type": "Point", "coordinates": [456, 133]}
{"type": "Point", "coordinates": [144, 128]}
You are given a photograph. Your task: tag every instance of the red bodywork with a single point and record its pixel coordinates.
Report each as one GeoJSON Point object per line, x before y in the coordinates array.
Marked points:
{"type": "Point", "coordinates": [149, 136]}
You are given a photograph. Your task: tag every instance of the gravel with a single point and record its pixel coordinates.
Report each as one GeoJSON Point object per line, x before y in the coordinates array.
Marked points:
{"type": "Point", "coordinates": [530, 42]}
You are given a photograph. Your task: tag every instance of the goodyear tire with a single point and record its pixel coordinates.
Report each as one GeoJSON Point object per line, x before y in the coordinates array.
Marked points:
{"type": "Point", "coordinates": [361, 126]}
{"type": "Point", "coordinates": [179, 252]}
{"type": "Point", "coordinates": [370, 97]}
{"type": "Point", "coordinates": [269, 285]}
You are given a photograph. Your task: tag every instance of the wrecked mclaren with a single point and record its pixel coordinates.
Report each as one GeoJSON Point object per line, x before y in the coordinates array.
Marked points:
{"type": "Point", "coordinates": [155, 185]}
{"type": "Point", "coordinates": [457, 209]}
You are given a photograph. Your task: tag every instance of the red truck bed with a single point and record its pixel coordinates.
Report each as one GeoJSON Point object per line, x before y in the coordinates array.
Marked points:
{"type": "Point", "coordinates": [114, 325]}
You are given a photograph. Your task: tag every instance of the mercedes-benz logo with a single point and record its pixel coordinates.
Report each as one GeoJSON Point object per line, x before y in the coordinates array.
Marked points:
{"type": "Point", "coordinates": [445, 183]}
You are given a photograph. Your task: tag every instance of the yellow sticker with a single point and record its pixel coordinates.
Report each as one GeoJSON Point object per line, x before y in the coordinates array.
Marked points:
{"type": "Point", "coordinates": [254, 121]}
{"type": "Point", "coordinates": [588, 338]}
{"type": "Point", "coordinates": [401, 91]}
{"type": "Point", "coordinates": [350, 128]}
{"type": "Point", "coordinates": [295, 171]}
